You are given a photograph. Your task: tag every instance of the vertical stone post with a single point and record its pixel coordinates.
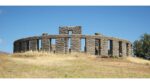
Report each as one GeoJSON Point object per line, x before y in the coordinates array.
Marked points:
{"type": "Point", "coordinates": [124, 52]}
{"type": "Point", "coordinates": [130, 49]}
{"type": "Point", "coordinates": [60, 45]}
{"type": "Point", "coordinates": [20, 46]}
{"type": "Point", "coordinates": [16, 47]}
{"type": "Point", "coordinates": [33, 45]}
{"type": "Point", "coordinates": [27, 45]}
{"type": "Point", "coordinates": [66, 45]}
{"type": "Point", "coordinates": [104, 47]}
{"type": "Point", "coordinates": [115, 48]}
{"type": "Point", "coordinates": [24, 46]}
{"type": "Point", "coordinates": [90, 45]}
{"type": "Point", "coordinates": [45, 42]}
{"type": "Point", "coordinates": [75, 44]}
{"type": "Point", "coordinates": [127, 49]}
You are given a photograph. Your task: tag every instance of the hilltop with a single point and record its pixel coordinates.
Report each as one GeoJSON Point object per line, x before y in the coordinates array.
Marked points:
{"type": "Point", "coordinates": [75, 65]}
{"type": "Point", "coordinates": [2, 52]}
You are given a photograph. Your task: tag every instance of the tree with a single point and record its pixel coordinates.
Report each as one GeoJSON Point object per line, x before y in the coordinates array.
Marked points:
{"type": "Point", "coordinates": [141, 47]}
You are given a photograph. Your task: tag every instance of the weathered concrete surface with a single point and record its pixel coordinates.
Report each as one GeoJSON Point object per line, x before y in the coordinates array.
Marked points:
{"type": "Point", "coordinates": [90, 46]}
{"type": "Point", "coordinates": [124, 53]}
{"type": "Point", "coordinates": [73, 29]}
{"type": "Point", "coordinates": [75, 44]}
{"type": "Point", "coordinates": [45, 43]}
{"type": "Point", "coordinates": [33, 45]}
{"type": "Point", "coordinates": [115, 48]}
{"type": "Point", "coordinates": [94, 44]}
{"type": "Point", "coordinates": [104, 47]}
{"type": "Point", "coordinates": [60, 45]}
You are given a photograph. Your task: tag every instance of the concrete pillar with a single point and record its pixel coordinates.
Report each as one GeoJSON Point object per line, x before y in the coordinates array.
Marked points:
{"type": "Point", "coordinates": [20, 46]}
{"type": "Point", "coordinates": [124, 52]}
{"type": "Point", "coordinates": [27, 45]}
{"type": "Point", "coordinates": [90, 45]}
{"type": "Point", "coordinates": [24, 46]}
{"type": "Point", "coordinates": [66, 45]}
{"type": "Point", "coordinates": [104, 47]}
{"type": "Point", "coordinates": [45, 43]}
{"type": "Point", "coordinates": [115, 48]}
{"type": "Point", "coordinates": [33, 45]}
{"type": "Point", "coordinates": [75, 44]}
{"type": "Point", "coordinates": [16, 47]}
{"type": "Point", "coordinates": [129, 49]}
{"type": "Point", "coordinates": [60, 45]}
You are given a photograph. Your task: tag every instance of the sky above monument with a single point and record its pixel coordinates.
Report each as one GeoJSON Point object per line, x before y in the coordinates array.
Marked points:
{"type": "Point", "coordinates": [128, 22]}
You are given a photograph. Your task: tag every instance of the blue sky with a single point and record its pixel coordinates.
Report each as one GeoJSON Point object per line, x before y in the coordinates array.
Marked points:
{"type": "Point", "coordinates": [123, 22]}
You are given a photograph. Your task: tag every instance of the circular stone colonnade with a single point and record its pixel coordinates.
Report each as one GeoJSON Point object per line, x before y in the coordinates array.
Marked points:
{"type": "Point", "coordinates": [69, 40]}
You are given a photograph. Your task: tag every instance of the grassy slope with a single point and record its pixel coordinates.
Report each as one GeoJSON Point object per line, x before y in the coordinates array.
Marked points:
{"type": "Point", "coordinates": [43, 65]}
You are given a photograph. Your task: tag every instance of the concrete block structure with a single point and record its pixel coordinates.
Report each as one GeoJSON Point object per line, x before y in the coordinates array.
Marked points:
{"type": "Point", "coordinates": [115, 48]}
{"type": "Point", "coordinates": [45, 42]}
{"type": "Point", "coordinates": [33, 45]}
{"type": "Point", "coordinates": [104, 46]}
{"type": "Point", "coordinates": [69, 40]}
{"type": "Point", "coordinates": [90, 42]}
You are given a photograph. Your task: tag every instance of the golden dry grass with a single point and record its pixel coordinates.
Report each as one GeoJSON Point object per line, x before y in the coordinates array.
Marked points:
{"type": "Point", "coordinates": [75, 65]}
{"type": "Point", "coordinates": [138, 60]}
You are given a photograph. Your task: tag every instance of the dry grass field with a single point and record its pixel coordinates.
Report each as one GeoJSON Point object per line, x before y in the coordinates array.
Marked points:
{"type": "Point", "coordinates": [75, 65]}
